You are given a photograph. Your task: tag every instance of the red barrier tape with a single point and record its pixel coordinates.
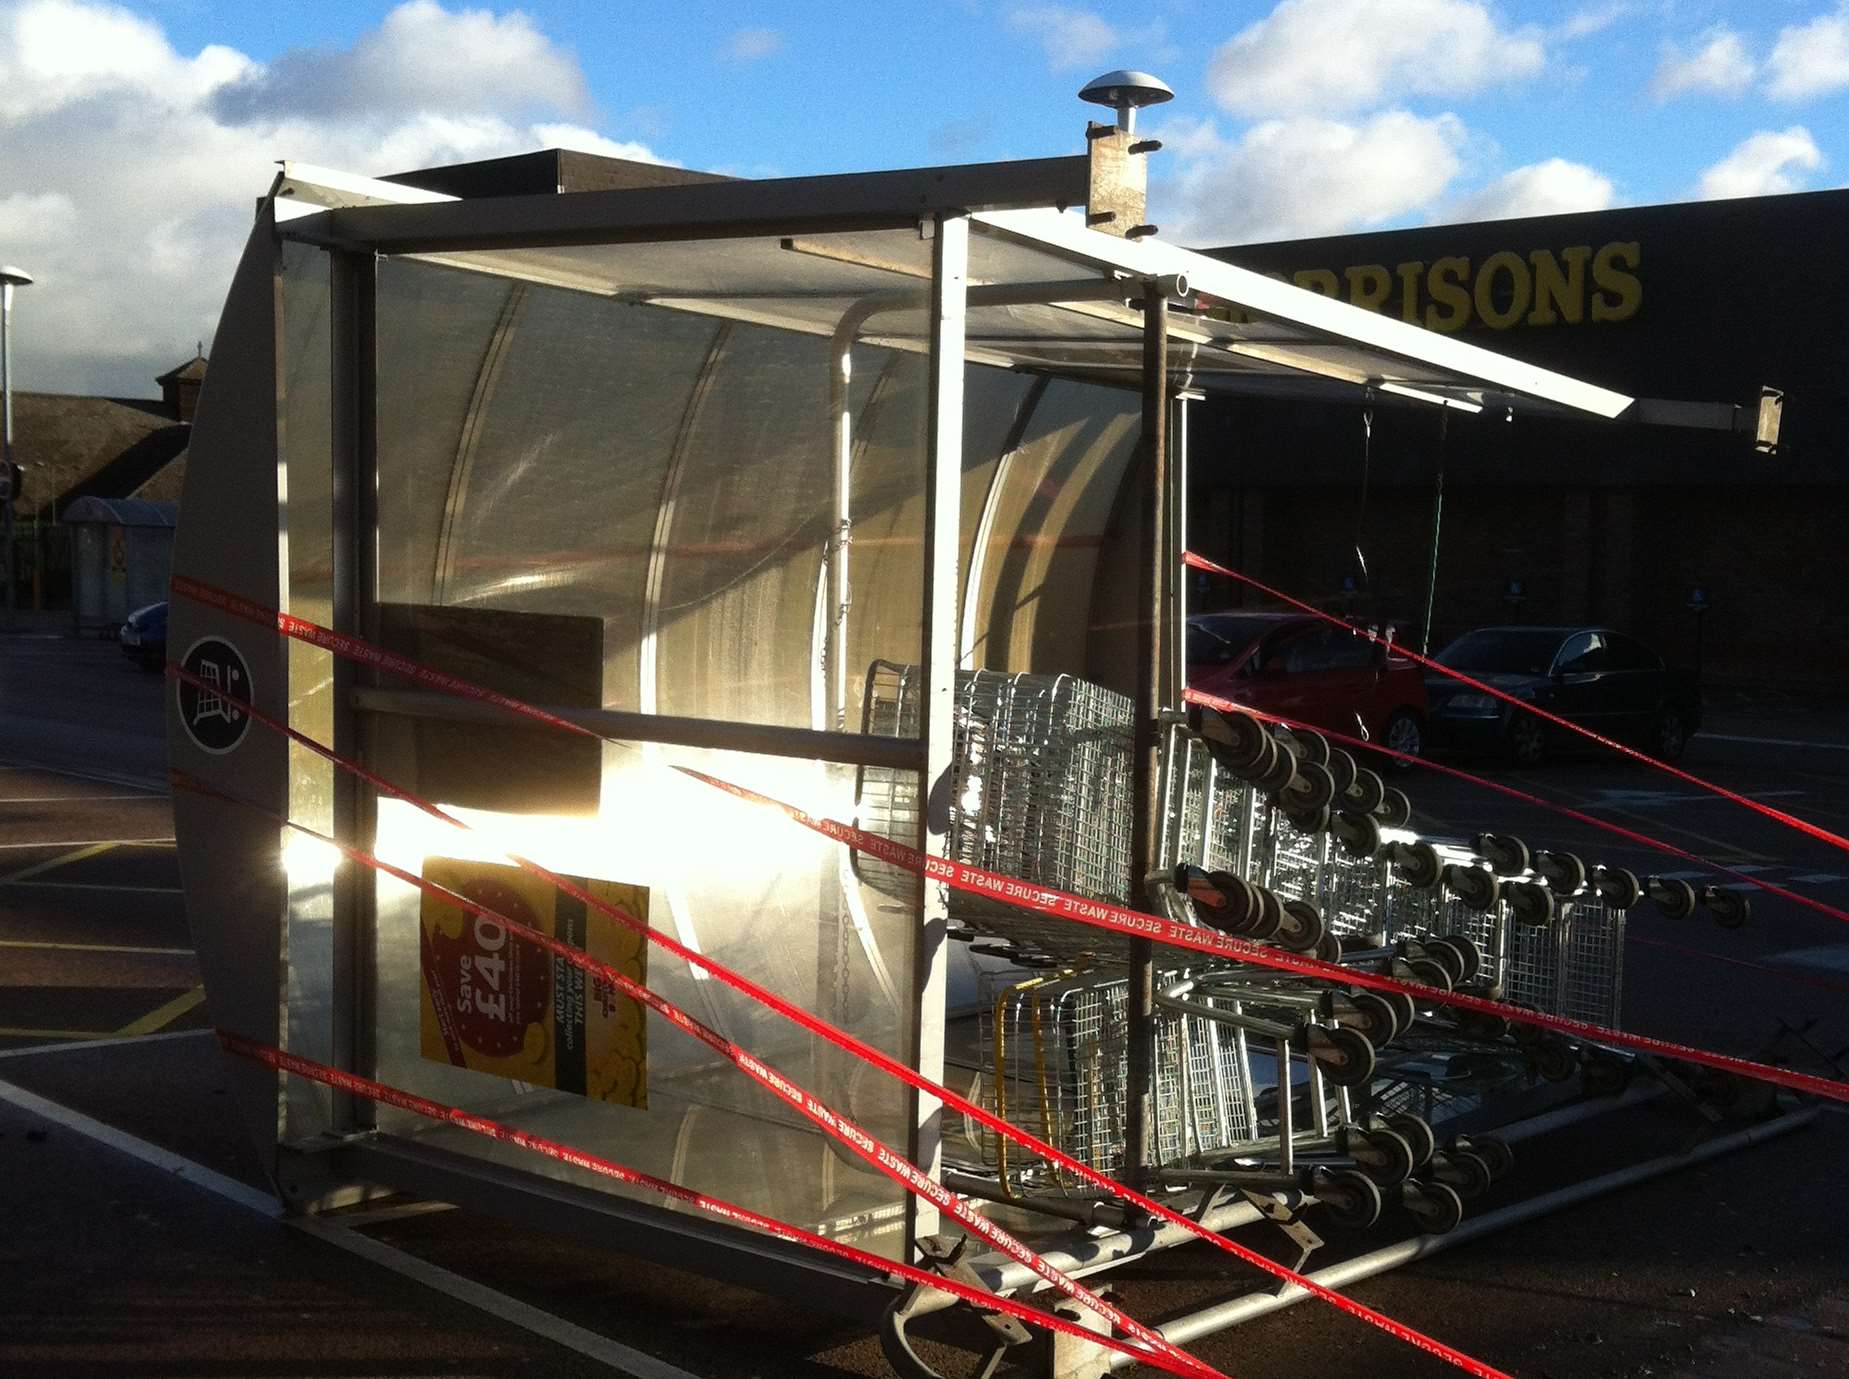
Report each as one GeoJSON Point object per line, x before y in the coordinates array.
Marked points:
{"type": "Point", "coordinates": [386, 1095]}
{"type": "Point", "coordinates": [835, 1125]}
{"type": "Point", "coordinates": [1822, 835]}
{"type": "Point", "coordinates": [799, 1017]}
{"type": "Point", "coordinates": [374, 655]}
{"type": "Point", "coordinates": [1214, 701]}
{"type": "Point", "coordinates": [1027, 895]}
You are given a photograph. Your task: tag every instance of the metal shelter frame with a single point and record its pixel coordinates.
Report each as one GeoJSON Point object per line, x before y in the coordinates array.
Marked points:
{"type": "Point", "coordinates": [1135, 313]}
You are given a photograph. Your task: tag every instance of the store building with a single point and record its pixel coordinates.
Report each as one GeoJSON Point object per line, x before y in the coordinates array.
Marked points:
{"type": "Point", "coordinates": [1704, 302]}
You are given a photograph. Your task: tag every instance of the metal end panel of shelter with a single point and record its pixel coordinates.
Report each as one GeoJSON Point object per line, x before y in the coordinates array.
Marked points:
{"type": "Point", "coordinates": [686, 465]}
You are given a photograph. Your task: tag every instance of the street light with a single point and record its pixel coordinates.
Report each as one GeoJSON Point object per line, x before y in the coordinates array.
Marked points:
{"type": "Point", "coordinates": [10, 278]}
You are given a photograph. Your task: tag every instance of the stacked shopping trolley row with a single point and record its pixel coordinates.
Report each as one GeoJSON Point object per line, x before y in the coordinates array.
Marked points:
{"type": "Point", "coordinates": [1259, 1080]}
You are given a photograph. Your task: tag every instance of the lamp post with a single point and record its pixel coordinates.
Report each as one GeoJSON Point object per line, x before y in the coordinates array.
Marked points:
{"type": "Point", "coordinates": [10, 278]}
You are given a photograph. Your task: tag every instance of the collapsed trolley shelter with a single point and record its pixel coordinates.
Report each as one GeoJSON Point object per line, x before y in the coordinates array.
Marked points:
{"type": "Point", "coordinates": [865, 493]}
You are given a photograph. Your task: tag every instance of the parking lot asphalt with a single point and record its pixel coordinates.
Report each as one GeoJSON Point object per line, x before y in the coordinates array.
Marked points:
{"type": "Point", "coordinates": [135, 1235]}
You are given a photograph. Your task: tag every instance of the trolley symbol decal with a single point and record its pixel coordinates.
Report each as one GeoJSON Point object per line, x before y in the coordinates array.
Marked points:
{"type": "Point", "coordinates": [211, 720]}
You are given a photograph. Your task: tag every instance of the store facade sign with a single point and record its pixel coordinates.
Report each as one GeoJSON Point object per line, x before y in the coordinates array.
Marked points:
{"type": "Point", "coordinates": [1575, 285]}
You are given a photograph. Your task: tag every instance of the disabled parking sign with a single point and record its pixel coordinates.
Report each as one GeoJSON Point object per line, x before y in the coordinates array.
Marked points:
{"type": "Point", "coordinates": [211, 720]}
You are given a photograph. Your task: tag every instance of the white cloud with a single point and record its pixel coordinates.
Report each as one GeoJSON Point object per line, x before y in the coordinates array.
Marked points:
{"type": "Point", "coordinates": [751, 45]}
{"type": "Point", "coordinates": [1327, 56]}
{"type": "Point", "coordinates": [590, 141]}
{"type": "Point", "coordinates": [1583, 23]}
{"type": "Point", "coordinates": [421, 57]}
{"type": "Point", "coordinates": [1811, 59]}
{"type": "Point", "coordinates": [1283, 179]}
{"type": "Point", "coordinates": [1720, 66]}
{"type": "Point", "coordinates": [1763, 164]}
{"type": "Point", "coordinates": [1074, 38]}
{"type": "Point", "coordinates": [1553, 187]}
{"type": "Point", "coordinates": [130, 169]}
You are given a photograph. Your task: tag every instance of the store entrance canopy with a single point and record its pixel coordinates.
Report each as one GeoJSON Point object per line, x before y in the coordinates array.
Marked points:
{"type": "Point", "coordinates": [1045, 293]}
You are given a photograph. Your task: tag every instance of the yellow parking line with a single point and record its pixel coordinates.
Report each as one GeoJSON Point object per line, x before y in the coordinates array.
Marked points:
{"type": "Point", "coordinates": [160, 1018]}
{"type": "Point", "coordinates": [42, 1034]}
{"type": "Point", "coordinates": [96, 948]}
{"type": "Point", "coordinates": [62, 859]}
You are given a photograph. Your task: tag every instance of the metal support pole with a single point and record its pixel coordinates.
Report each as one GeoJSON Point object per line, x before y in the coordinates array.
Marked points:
{"type": "Point", "coordinates": [1154, 585]}
{"type": "Point", "coordinates": [943, 494]}
{"type": "Point", "coordinates": [1438, 518]}
{"type": "Point", "coordinates": [353, 289]}
{"type": "Point", "coordinates": [6, 432]}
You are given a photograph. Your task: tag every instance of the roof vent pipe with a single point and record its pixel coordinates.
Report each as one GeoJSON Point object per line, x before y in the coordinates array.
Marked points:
{"type": "Point", "coordinates": [1119, 160]}
{"type": "Point", "coordinates": [1126, 92]}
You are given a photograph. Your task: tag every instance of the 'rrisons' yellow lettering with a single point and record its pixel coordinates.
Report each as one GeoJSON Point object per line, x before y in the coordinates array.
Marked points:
{"type": "Point", "coordinates": [1489, 310]}
{"type": "Point", "coordinates": [1410, 274]}
{"type": "Point", "coordinates": [1619, 292]}
{"type": "Point", "coordinates": [1450, 308]}
{"type": "Point", "coordinates": [1319, 280]}
{"type": "Point", "coordinates": [1368, 285]}
{"type": "Point", "coordinates": [1559, 294]}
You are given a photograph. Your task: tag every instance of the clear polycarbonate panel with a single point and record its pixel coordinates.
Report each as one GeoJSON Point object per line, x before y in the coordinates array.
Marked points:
{"type": "Point", "coordinates": [1052, 502]}
{"type": "Point", "coordinates": [307, 521]}
{"type": "Point", "coordinates": [798, 282]}
{"type": "Point", "coordinates": [748, 513]}
{"type": "Point", "coordinates": [738, 882]}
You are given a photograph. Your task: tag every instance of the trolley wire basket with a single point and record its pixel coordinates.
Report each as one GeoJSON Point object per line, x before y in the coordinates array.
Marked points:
{"type": "Point", "coordinates": [1040, 790]}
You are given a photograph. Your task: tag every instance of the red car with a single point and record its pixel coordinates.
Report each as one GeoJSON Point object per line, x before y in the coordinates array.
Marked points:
{"type": "Point", "coordinates": [1304, 668]}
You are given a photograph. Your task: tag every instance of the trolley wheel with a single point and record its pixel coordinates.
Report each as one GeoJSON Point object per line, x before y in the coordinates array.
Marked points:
{"type": "Point", "coordinates": [1739, 1098]}
{"type": "Point", "coordinates": [1525, 1034]}
{"type": "Point", "coordinates": [1494, 1152]}
{"type": "Point", "coordinates": [1309, 745]}
{"type": "Point", "coordinates": [1350, 1198]}
{"type": "Point", "coordinates": [1553, 1060]}
{"type": "Point", "coordinates": [1601, 1074]}
{"type": "Point", "coordinates": [1302, 928]}
{"type": "Point", "coordinates": [1469, 953]}
{"type": "Point", "coordinates": [1476, 887]}
{"type": "Point", "coordinates": [1342, 767]}
{"type": "Point", "coordinates": [1359, 834]}
{"type": "Point", "coordinates": [1619, 888]}
{"type": "Point", "coordinates": [1395, 808]}
{"type": "Point", "coordinates": [1676, 899]}
{"type": "Point", "coordinates": [1307, 821]}
{"type": "Point", "coordinates": [1368, 791]}
{"type": "Point", "coordinates": [1730, 909]}
{"type": "Point", "coordinates": [1312, 788]}
{"type": "Point", "coordinates": [1268, 919]}
{"type": "Point", "coordinates": [1436, 1208]}
{"type": "Point", "coordinates": [1448, 958]}
{"type": "Point", "coordinates": [1373, 1015]}
{"type": "Point", "coordinates": [1429, 972]}
{"type": "Point", "coordinates": [1480, 1025]}
{"type": "Point", "coordinates": [1462, 1170]}
{"type": "Point", "coordinates": [1417, 1133]}
{"type": "Point", "coordinates": [1507, 855]}
{"type": "Point", "coordinates": [1241, 743]}
{"type": "Point", "coordinates": [1279, 777]}
{"type": "Point", "coordinates": [1405, 1010]}
{"type": "Point", "coordinates": [1563, 872]}
{"type": "Point", "coordinates": [1530, 904]}
{"type": "Point", "coordinates": [1330, 949]}
{"type": "Point", "coordinates": [1344, 1054]}
{"type": "Point", "coordinates": [1384, 1155]}
{"type": "Point", "coordinates": [1418, 865]}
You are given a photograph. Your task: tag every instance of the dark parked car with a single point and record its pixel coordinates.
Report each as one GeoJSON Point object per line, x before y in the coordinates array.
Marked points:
{"type": "Point", "coordinates": [143, 638]}
{"type": "Point", "coordinates": [1311, 670]}
{"type": "Point", "coordinates": [1604, 680]}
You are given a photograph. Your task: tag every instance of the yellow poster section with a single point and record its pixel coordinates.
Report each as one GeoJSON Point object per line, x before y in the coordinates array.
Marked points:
{"type": "Point", "coordinates": [497, 1004]}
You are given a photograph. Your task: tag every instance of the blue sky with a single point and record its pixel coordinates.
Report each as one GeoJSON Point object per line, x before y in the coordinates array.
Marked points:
{"type": "Point", "coordinates": [132, 138]}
